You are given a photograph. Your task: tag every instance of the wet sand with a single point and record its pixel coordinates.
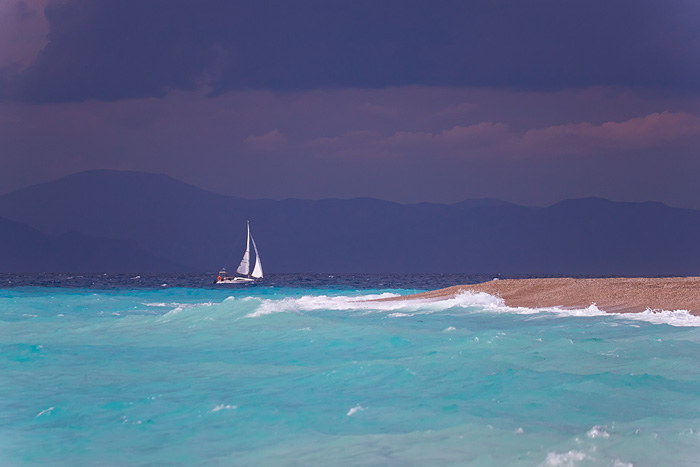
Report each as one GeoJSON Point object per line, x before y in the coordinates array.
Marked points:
{"type": "Point", "coordinates": [619, 295]}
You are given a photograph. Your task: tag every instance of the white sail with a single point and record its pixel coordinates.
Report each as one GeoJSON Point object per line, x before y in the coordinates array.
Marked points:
{"type": "Point", "coordinates": [257, 270]}
{"type": "Point", "coordinates": [244, 267]}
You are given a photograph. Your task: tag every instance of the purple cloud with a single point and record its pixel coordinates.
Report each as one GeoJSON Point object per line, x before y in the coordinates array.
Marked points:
{"type": "Point", "coordinates": [267, 142]}
{"type": "Point", "coordinates": [531, 147]}
{"type": "Point", "coordinates": [653, 130]}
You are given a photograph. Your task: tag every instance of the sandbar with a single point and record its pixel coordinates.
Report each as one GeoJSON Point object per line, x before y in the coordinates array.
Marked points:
{"type": "Point", "coordinates": [614, 295]}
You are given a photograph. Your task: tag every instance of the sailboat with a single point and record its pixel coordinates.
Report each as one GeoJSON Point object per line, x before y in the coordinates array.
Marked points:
{"type": "Point", "coordinates": [246, 275]}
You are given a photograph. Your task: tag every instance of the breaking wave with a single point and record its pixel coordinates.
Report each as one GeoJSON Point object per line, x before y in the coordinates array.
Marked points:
{"type": "Point", "coordinates": [467, 301]}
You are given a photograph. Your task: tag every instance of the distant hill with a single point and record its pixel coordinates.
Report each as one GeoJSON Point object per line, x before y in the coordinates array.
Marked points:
{"type": "Point", "coordinates": [201, 230]}
{"type": "Point", "coordinates": [482, 203]}
{"type": "Point", "coordinates": [23, 249]}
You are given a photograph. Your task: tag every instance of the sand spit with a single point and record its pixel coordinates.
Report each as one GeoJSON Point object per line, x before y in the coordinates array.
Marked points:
{"type": "Point", "coordinates": [619, 295]}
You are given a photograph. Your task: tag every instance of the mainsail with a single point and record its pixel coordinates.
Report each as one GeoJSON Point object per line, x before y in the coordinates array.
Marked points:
{"type": "Point", "coordinates": [244, 267]}
{"type": "Point", "coordinates": [257, 270]}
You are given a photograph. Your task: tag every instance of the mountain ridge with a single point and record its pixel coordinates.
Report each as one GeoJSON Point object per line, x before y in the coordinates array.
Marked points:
{"type": "Point", "coordinates": [196, 228]}
{"type": "Point", "coordinates": [23, 249]}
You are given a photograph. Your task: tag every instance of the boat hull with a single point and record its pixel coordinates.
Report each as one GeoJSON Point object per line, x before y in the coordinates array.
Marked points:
{"type": "Point", "coordinates": [236, 280]}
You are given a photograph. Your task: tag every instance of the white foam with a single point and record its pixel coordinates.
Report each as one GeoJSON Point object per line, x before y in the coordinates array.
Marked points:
{"type": "Point", "coordinates": [368, 303]}
{"type": "Point", "coordinates": [619, 463]}
{"type": "Point", "coordinates": [135, 422]}
{"type": "Point", "coordinates": [564, 459]}
{"type": "Point", "coordinates": [221, 407]}
{"type": "Point", "coordinates": [354, 410]}
{"type": "Point", "coordinates": [672, 318]}
{"type": "Point", "coordinates": [480, 302]}
{"type": "Point", "coordinates": [598, 431]}
{"type": "Point", "coordinates": [321, 302]}
{"type": "Point", "coordinates": [44, 412]}
{"type": "Point", "coordinates": [451, 328]}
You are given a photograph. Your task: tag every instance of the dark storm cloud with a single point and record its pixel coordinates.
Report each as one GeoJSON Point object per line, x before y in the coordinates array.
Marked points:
{"type": "Point", "coordinates": [116, 49]}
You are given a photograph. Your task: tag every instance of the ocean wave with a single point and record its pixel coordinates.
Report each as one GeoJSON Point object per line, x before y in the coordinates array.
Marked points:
{"type": "Point", "coordinates": [321, 302]}
{"type": "Point", "coordinates": [185, 306]}
{"type": "Point", "coordinates": [372, 303]}
{"type": "Point", "coordinates": [476, 302]}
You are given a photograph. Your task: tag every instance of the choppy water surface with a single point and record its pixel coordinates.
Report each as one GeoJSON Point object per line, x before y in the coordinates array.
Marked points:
{"type": "Point", "coordinates": [302, 371]}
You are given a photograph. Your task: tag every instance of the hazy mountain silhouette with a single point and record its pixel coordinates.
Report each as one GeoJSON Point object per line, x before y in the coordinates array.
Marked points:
{"type": "Point", "coordinates": [23, 249]}
{"type": "Point", "coordinates": [182, 224]}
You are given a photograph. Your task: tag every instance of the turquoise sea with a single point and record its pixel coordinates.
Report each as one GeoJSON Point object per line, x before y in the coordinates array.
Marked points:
{"type": "Point", "coordinates": [301, 370]}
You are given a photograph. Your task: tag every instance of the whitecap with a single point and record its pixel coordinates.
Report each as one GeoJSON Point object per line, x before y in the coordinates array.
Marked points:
{"type": "Point", "coordinates": [619, 463]}
{"type": "Point", "coordinates": [672, 318]}
{"type": "Point", "coordinates": [161, 304]}
{"type": "Point", "coordinates": [221, 407]}
{"type": "Point", "coordinates": [682, 318]}
{"type": "Point", "coordinates": [496, 304]}
{"type": "Point", "coordinates": [479, 302]}
{"type": "Point", "coordinates": [45, 412]}
{"type": "Point", "coordinates": [321, 302]}
{"type": "Point", "coordinates": [451, 328]}
{"type": "Point", "coordinates": [354, 410]}
{"type": "Point", "coordinates": [369, 304]}
{"type": "Point", "coordinates": [564, 459]}
{"type": "Point", "coordinates": [598, 431]}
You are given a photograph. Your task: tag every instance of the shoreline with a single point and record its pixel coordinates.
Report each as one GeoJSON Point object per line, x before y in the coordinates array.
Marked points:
{"type": "Point", "coordinates": [612, 295]}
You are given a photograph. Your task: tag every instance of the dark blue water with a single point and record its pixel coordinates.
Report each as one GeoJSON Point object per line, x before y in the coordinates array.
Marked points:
{"type": "Point", "coordinates": [206, 280]}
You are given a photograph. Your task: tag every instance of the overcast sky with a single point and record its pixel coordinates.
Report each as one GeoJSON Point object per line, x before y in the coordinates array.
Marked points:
{"type": "Point", "coordinates": [528, 101]}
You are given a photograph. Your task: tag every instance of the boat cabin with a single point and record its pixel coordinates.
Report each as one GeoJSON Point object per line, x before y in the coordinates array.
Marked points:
{"type": "Point", "coordinates": [223, 275]}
